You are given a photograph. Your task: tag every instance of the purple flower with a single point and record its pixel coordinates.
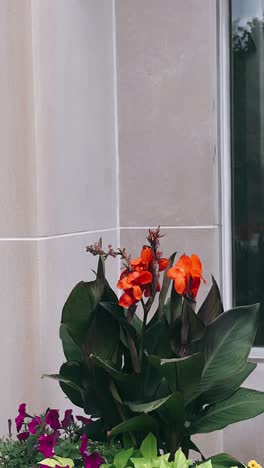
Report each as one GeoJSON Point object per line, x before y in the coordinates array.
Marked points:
{"type": "Point", "coordinates": [52, 418]}
{"type": "Point", "coordinates": [34, 423]}
{"type": "Point", "coordinates": [90, 460]}
{"type": "Point", "coordinates": [93, 460]}
{"type": "Point", "coordinates": [21, 416]}
{"type": "Point", "coordinates": [47, 443]}
{"type": "Point", "coordinates": [84, 420]}
{"type": "Point", "coordinates": [84, 444]}
{"type": "Point", "coordinates": [68, 419]}
{"type": "Point", "coordinates": [23, 436]}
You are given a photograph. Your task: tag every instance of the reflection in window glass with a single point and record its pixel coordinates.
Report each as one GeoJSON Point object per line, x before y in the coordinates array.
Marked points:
{"type": "Point", "coordinates": [248, 153]}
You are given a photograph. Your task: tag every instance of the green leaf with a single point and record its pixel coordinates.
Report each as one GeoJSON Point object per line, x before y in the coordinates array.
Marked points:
{"type": "Point", "coordinates": [243, 404]}
{"type": "Point", "coordinates": [172, 412]}
{"type": "Point", "coordinates": [122, 457]}
{"type": "Point", "coordinates": [165, 287]}
{"type": "Point", "coordinates": [182, 374]}
{"type": "Point", "coordinates": [223, 460]}
{"type": "Point", "coordinates": [175, 305]}
{"type": "Point", "coordinates": [148, 447]}
{"type": "Point", "coordinates": [212, 306]}
{"type": "Point", "coordinates": [142, 423]}
{"type": "Point", "coordinates": [79, 308]}
{"type": "Point", "coordinates": [206, 464]}
{"type": "Point", "coordinates": [146, 407]}
{"type": "Point", "coordinates": [71, 350]}
{"type": "Point", "coordinates": [180, 461]}
{"type": "Point", "coordinates": [227, 387]}
{"type": "Point", "coordinates": [57, 461]}
{"type": "Point", "coordinates": [227, 343]}
{"type": "Point", "coordinates": [119, 376]}
{"type": "Point", "coordinates": [102, 341]}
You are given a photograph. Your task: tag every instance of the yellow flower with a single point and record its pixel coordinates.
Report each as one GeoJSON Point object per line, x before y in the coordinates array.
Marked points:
{"type": "Point", "coordinates": [253, 464]}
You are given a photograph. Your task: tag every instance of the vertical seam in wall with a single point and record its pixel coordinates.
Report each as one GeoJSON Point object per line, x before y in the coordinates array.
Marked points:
{"type": "Point", "coordinates": [36, 166]}
{"type": "Point", "coordinates": [225, 151]}
{"type": "Point", "coordinates": [116, 128]}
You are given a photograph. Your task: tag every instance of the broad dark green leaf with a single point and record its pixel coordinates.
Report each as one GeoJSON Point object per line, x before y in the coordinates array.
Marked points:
{"type": "Point", "coordinates": [212, 306]}
{"type": "Point", "coordinates": [175, 305]}
{"type": "Point", "coordinates": [142, 423]}
{"type": "Point", "coordinates": [103, 336]}
{"type": "Point", "coordinates": [227, 387]}
{"type": "Point", "coordinates": [223, 460]}
{"type": "Point", "coordinates": [227, 343]}
{"type": "Point", "coordinates": [146, 407]}
{"type": "Point", "coordinates": [71, 350]}
{"type": "Point", "coordinates": [156, 339]}
{"type": "Point", "coordinates": [182, 374]}
{"type": "Point", "coordinates": [243, 404]}
{"type": "Point", "coordinates": [119, 376]}
{"type": "Point", "coordinates": [79, 308]}
{"type": "Point", "coordinates": [172, 412]}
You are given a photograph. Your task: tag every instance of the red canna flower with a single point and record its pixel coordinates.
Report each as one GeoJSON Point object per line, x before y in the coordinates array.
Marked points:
{"type": "Point", "coordinates": [187, 275]}
{"type": "Point", "coordinates": [146, 260]}
{"type": "Point", "coordinates": [138, 279]}
{"type": "Point", "coordinates": [132, 284]}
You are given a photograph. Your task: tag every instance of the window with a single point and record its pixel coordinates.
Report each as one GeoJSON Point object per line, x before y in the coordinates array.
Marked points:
{"type": "Point", "coordinates": [247, 128]}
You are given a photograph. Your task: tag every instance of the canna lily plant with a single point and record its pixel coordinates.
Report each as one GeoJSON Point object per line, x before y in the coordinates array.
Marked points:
{"type": "Point", "coordinates": [149, 361]}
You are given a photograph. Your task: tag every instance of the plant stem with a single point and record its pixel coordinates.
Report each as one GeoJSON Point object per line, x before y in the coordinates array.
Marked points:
{"type": "Point", "coordinates": [143, 331]}
{"type": "Point", "coordinates": [132, 347]}
{"type": "Point", "coordinates": [173, 443]}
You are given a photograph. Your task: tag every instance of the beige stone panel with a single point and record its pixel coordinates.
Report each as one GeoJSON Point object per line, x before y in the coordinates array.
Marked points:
{"type": "Point", "coordinates": [19, 330]}
{"type": "Point", "coordinates": [17, 152]}
{"type": "Point", "coordinates": [166, 79]}
{"type": "Point", "coordinates": [244, 440]}
{"type": "Point", "coordinates": [63, 263]}
{"type": "Point", "coordinates": [75, 116]}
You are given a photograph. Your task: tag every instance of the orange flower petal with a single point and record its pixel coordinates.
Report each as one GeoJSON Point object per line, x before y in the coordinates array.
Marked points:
{"type": "Point", "coordinates": [137, 291]}
{"type": "Point", "coordinates": [184, 264]}
{"type": "Point", "coordinates": [180, 283]}
{"type": "Point", "coordinates": [195, 284]}
{"type": "Point", "coordinates": [136, 261]}
{"type": "Point", "coordinates": [196, 269]}
{"type": "Point", "coordinates": [172, 272]}
{"type": "Point", "coordinates": [126, 300]}
{"type": "Point", "coordinates": [163, 263]}
{"type": "Point", "coordinates": [144, 278]}
{"type": "Point", "coordinates": [146, 255]}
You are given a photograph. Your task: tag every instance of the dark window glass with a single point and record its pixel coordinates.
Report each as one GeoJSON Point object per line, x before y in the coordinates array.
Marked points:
{"type": "Point", "coordinates": [247, 73]}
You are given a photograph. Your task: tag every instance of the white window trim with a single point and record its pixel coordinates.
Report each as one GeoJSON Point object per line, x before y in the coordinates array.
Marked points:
{"type": "Point", "coordinates": [257, 353]}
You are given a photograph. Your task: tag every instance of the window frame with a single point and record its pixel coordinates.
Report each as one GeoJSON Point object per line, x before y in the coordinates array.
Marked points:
{"type": "Point", "coordinates": [225, 150]}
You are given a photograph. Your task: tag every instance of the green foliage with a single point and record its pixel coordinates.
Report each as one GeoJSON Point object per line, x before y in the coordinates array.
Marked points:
{"type": "Point", "coordinates": [148, 457]}
{"type": "Point", "coordinates": [176, 375]}
{"type": "Point", "coordinates": [15, 454]}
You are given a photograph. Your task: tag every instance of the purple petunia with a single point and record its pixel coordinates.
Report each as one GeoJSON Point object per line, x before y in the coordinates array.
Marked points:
{"type": "Point", "coordinates": [33, 424]}
{"type": "Point", "coordinates": [23, 436]}
{"type": "Point", "coordinates": [84, 420]}
{"type": "Point", "coordinates": [91, 460]}
{"type": "Point", "coordinates": [21, 416]}
{"type": "Point", "coordinates": [52, 418]}
{"type": "Point", "coordinates": [68, 419]}
{"type": "Point", "coordinates": [47, 443]}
